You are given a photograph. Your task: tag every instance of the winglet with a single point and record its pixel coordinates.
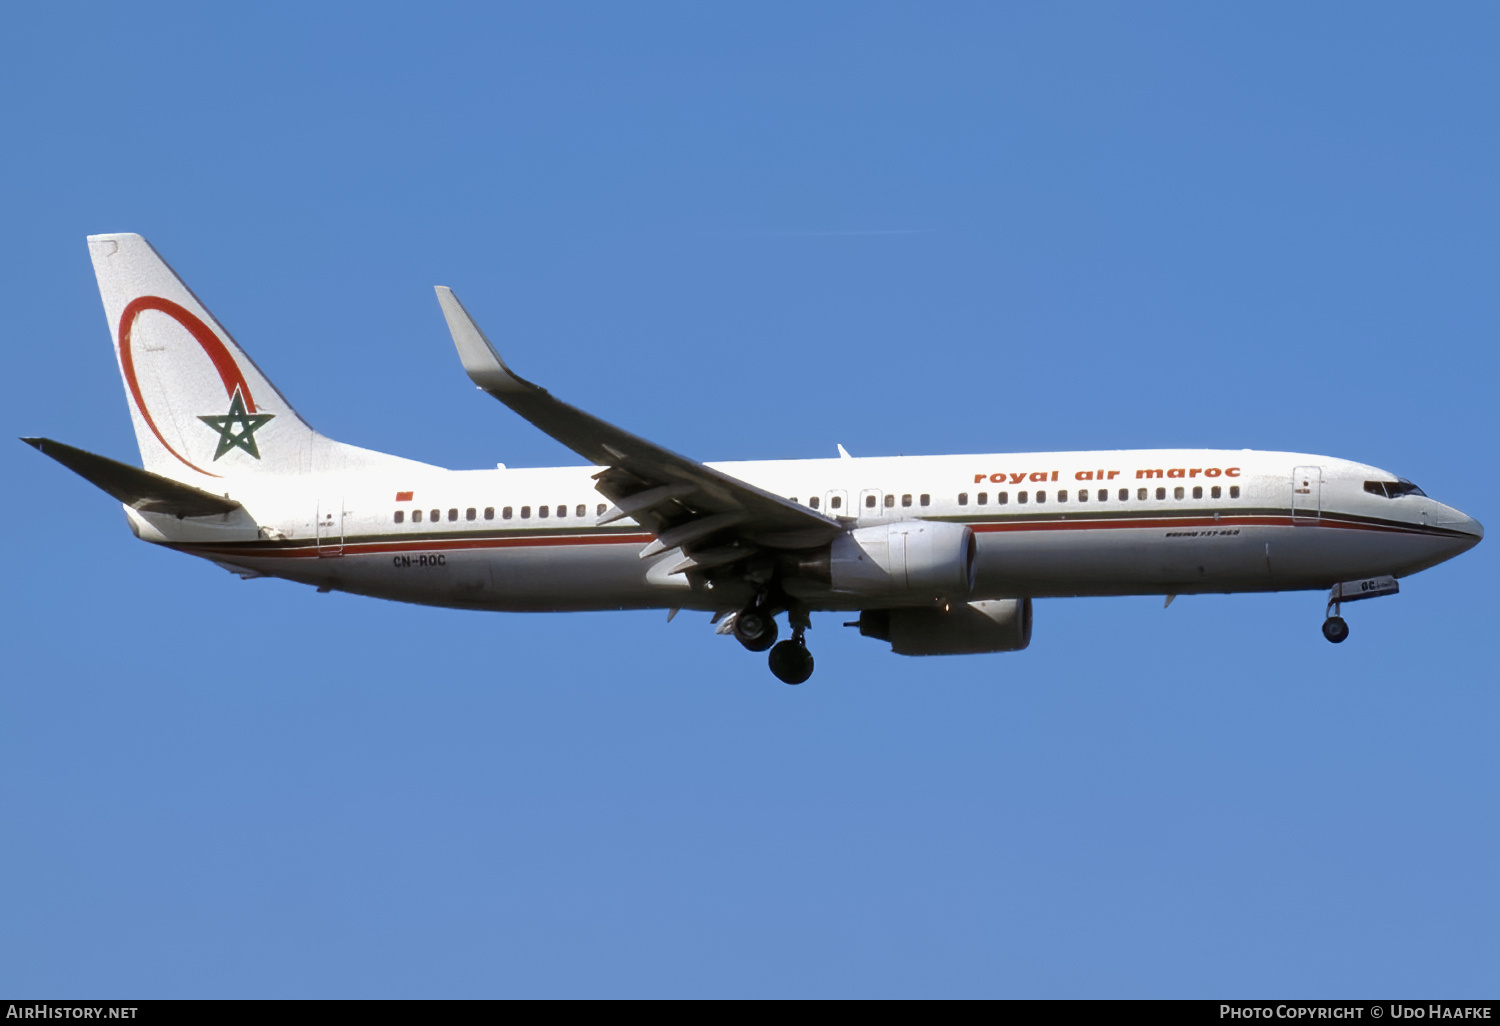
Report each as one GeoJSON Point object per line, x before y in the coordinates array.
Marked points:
{"type": "Point", "coordinates": [481, 362]}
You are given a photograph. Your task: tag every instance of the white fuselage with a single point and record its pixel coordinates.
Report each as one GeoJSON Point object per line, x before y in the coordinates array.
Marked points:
{"type": "Point", "coordinates": [1173, 521]}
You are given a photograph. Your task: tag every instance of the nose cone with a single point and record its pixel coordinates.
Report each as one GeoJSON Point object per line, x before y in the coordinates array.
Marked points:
{"type": "Point", "coordinates": [1450, 519]}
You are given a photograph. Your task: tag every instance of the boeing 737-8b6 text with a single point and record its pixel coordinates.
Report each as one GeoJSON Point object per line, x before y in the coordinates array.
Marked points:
{"type": "Point", "coordinates": [936, 555]}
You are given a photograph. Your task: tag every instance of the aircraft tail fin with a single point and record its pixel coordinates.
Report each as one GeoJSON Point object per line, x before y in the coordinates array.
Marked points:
{"type": "Point", "coordinates": [201, 407]}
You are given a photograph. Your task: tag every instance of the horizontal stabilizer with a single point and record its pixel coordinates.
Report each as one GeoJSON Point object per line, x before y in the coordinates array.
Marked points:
{"type": "Point", "coordinates": [139, 489]}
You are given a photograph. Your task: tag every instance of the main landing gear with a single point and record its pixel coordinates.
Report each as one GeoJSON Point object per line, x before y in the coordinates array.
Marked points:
{"type": "Point", "coordinates": [755, 628]}
{"type": "Point", "coordinates": [790, 661]}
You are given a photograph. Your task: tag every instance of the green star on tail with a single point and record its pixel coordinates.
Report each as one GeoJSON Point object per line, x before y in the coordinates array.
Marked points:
{"type": "Point", "coordinates": [248, 424]}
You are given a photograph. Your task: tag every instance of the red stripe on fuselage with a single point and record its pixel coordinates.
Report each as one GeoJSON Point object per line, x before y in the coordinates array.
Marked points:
{"type": "Point", "coordinates": [1185, 523]}
{"type": "Point", "coordinates": [310, 548]}
{"type": "Point", "coordinates": [357, 548]}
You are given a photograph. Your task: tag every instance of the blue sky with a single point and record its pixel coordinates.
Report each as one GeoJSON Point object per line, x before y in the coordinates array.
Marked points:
{"type": "Point", "coordinates": [755, 231]}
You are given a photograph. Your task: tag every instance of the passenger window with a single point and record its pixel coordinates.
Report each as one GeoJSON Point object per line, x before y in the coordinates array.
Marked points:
{"type": "Point", "coordinates": [416, 516]}
{"type": "Point", "coordinates": [890, 500]}
{"type": "Point", "coordinates": [1161, 493]}
{"type": "Point", "coordinates": [1179, 492]}
{"type": "Point", "coordinates": [562, 511]}
{"type": "Point", "coordinates": [1041, 496]}
{"type": "Point", "coordinates": [437, 515]}
{"type": "Point", "coordinates": [525, 512]}
{"type": "Point", "coordinates": [1062, 495]}
{"type": "Point", "coordinates": [489, 512]}
{"type": "Point", "coordinates": [470, 513]}
{"type": "Point", "coordinates": [400, 515]}
{"type": "Point", "coordinates": [505, 513]}
{"type": "Point", "coordinates": [984, 498]}
{"type": "Point", "coordinates": [542, 511]}
{"type": "Point", "coordinates": [1083, 495]}
{"type": "Point", "coordinates": [1140, 495]}
{"type": "Point", "coordinates": [792, 499]}
{"type": "Point", "coordinates": [1001, 498]}
{"type": "Point", "coordinates": [600, 511]}
{"type": "Point", "coordinates": [1234, 491]}
{"type": "Point", "coordinates": [1215, 492]}
{"type": "Point", "coordinates": [1197, 491]}
{"type": "Point", "coordinates": [1125, 494]}
{"type": "Point", "coordinates": [963, 498]}
{"type": "Point", "coordinates": [1104, 494]}
{"type": "Point", "coordinates": [582, 510]}
{"type": "Point", "coordinates": [926, 499]}
{"type": "Point", "coordinates": [453, 514]}
{"type": "Point", "coordinates": [1021, 497]}
{"type": "Point", "coordinates": [813, 502]}
{"type": "Point", "coordinates": [869, 502]}
{"type": "Point", "coordinates": [906, 499]}
{"type": "Point", "coordinates": [836, 502]}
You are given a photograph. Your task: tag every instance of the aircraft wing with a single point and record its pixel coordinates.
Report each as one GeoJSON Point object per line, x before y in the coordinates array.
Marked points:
{"type": "Point", "coordinates": [715, 518]}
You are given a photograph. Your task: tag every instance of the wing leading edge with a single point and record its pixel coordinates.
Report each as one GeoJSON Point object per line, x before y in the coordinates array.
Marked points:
{"type": "Point", "coordinates": [714, 518]}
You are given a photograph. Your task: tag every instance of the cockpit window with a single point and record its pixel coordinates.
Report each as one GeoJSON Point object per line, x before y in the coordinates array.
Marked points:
{"type": "Point", "coordinates": [1393, 489]}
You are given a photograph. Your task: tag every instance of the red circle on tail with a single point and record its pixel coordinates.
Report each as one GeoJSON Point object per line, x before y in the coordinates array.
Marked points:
{"type": "Point", "coordinates": [212, 345]}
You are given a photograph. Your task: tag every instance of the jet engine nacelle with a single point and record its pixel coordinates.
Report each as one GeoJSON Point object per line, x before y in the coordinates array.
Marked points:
{"type": "Point", "coordinates": [992, 625]}
{"type": "Point", "coordinates": [910, 559]}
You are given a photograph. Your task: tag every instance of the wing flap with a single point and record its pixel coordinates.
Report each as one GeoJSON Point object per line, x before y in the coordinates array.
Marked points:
{"type": "Point", "coordinates": [640, 502]}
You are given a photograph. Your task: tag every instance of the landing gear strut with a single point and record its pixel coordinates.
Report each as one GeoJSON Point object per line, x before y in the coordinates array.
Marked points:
{"type": "Point", "coordinates": [790, 660]}
{"type": "Point", "coordinates": [1334, 628]}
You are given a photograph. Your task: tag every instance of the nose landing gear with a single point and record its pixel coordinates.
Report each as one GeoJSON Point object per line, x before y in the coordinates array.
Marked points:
{"type": "Point", "coordinates": [1335, 629]}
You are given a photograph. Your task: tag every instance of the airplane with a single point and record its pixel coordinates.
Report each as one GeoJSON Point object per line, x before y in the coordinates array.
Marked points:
{"type": "Point", "coordinates": [935, 555]}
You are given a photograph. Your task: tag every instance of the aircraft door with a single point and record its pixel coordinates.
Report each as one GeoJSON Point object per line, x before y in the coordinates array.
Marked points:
{"type": "Point", "coordinates": [331, 527]}
{"type": "Point", "coordinates": [1307, 493]}
{"type": "Point", "coordinates": [869, 504]}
